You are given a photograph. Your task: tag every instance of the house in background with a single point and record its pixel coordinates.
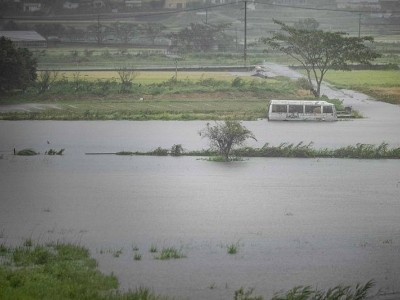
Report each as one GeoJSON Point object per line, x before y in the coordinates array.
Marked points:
{"type": "Point", "coordinates": [31, 7]}
{"type": "Point", "coordinates": [25, 39]}
{"type": "Point", "coordinates": [70, 5]}
{"type": "Point", "coordinates": [98, 4]}
{"type": "Point", "coordinates": [367, 5]}
{"type": "Point", "coordinates": [175, 4]}
{"type": "Point", "coordinates": [133, 3]}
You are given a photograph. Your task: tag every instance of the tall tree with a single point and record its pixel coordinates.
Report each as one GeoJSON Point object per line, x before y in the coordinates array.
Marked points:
{"type": "Point", "coordinates": [200, 37]}
{"type": "Point", "coordinates": [152, 30]}
{"type": "Point", "coordinates": [17, 66]}
{"type": "Point", "coordinates": [320, 51]}
{"type": "Point", "coordinates": [123, 31]}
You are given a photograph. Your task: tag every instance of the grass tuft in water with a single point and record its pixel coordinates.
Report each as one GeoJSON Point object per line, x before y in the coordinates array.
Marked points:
{"type": "Point", "coordinates": [153, 248]}
{"type": "Point", "coordinates": [232, 248]}
{"type": "Point", "coordinates": [170, 253]}
{"type": "Point", "coordinates": [137, 256]}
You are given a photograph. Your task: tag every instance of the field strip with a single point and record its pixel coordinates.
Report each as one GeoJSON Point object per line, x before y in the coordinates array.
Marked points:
{"type": "Point", "coordinates": [155, 106]}
{"type": "Point", "coordinates": [72, 106]}
{"type": "Point", "coordinates": [188, 105]}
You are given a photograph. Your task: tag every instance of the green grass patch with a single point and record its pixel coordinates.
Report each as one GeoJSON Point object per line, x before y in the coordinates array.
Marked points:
{"type": "Point", "coordinates": [56, 271]}
{"type": "Point", "coordinates": [204, 98]}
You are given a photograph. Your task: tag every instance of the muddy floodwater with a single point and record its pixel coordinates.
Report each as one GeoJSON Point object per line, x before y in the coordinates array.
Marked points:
{"type": "Point", "coordinates": [318, 222]}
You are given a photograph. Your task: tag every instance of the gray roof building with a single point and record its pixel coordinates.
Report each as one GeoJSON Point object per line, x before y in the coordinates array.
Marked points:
{"type": "Point", "coordinates": [25, 39]}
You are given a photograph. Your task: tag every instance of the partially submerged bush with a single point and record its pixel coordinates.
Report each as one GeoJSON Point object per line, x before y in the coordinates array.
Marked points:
{"type": "Point", "coordinates": [54, 152]}
{"type": "Point", "coordinates": [26, 152]}
{"type": "Point", "coordinates": [176, 150]}
{"type": "Point", "coordinates": [170, 253]}
{"type": "Point", "coordinates": [337, 293]}
{"type": "Point", "coordinates": [159, 152]}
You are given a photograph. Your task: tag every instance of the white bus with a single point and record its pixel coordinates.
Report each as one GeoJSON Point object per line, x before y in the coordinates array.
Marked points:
{"type": "Point", "coordinates": [298, 110]}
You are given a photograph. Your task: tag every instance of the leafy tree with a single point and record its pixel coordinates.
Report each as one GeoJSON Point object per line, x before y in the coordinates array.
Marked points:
{"type": "Point", "coordinates": [200, 37]}
{"type": "Point", "coordinates": [307, 24]}
{"type": "Point", "coordinates": [48, 29]}
{"type": "Point", "coordinates": [99, 31]}
{"type": "Point", "coordinates": [225, 136]}
{"type": "Point", "coordinates": [17, 66]}
{"type": "Point", "coordinates": [320, 51]}
{"type": "Point", "coordinates": [123, 31]}
{"type": "Point", "coordinates": [152, 30]}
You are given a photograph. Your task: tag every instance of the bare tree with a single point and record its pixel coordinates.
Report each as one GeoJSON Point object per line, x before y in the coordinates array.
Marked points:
{"type": "Point", "coordinates": [45, 79]}
{"type": "Point", "coordinates": [126, 76]}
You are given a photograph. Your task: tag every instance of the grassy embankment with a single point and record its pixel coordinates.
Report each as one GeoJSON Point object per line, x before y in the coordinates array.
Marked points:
{"type": "Point", "coordinates": [155, 96]}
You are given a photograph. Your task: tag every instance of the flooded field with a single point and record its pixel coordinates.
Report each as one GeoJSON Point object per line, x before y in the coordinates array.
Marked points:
{"type": "Point", "coordinates": [318, 222]}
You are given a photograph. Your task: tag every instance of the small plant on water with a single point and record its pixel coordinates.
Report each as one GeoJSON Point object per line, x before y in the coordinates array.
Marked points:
{"type": "Point", "coordinates": [232, 248]}
{"type": "Point", "coordinates": [170, 253]}
{"type": "Point", "coordinates": [153, 248]}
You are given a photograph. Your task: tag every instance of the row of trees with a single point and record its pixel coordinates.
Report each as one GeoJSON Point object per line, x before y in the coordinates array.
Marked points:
{"type": "Point", "coordinates": [195, 37]}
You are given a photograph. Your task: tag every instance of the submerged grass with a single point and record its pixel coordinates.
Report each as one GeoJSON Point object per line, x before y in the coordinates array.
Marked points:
{"type": "Point", "coordinates": [170, 253]}
{"type": "Point", "coordinates": [58, 271]}
{"type": "Point", "coordinates": [300, 150]}
{"type": "Point", "coordinates": [55, 271]}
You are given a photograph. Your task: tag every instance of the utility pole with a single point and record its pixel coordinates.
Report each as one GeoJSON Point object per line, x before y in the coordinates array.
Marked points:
{"type": "Point", "coordinates": [359, 25]}
{"type": "Point", "coordinates": [99, 39]}
{"type": "Point", "coordinates": [245, 34]}
{"type": "Point", "coordinates": [206, 15]}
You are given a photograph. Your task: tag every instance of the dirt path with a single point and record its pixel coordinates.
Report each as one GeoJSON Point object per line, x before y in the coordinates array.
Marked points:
{"type": "Point", "coordinates": [27, 107]}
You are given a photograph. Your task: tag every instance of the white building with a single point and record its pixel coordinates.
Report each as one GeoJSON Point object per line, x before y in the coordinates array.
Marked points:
{"type": "Point", "coordinates": [367, 5]}
{"type": "Point", "coordinates": [70, 5]}
{"type": "Point", "coordinates": [31, 7]}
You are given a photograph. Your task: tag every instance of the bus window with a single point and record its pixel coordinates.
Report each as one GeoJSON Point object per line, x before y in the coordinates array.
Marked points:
{"type": "Point", "coordinates": [327, 109]}
{"type": "Point", "coordinates": [313, 109]}
{"type": "Point", "coordinates": [279, 108]}
{"type": "Point", "coordinates": [296, 109]}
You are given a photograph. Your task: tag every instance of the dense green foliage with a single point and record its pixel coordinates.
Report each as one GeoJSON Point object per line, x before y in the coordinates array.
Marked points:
{"type": "Point", "coordinates": [225, 136]}
{"type": "Point", "coordinates": [56, 271]}
{"type": "Point", "coordinates": [17, 67]}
